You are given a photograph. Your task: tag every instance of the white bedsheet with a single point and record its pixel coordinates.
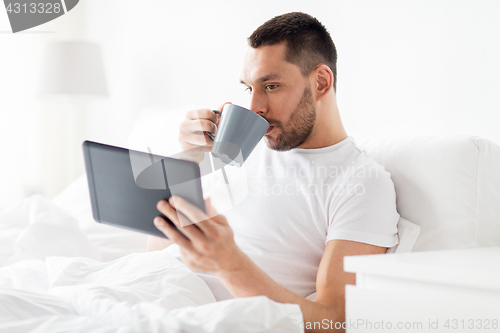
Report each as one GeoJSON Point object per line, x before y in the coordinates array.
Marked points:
{"type": "Point", "coordinates": [53, 279]}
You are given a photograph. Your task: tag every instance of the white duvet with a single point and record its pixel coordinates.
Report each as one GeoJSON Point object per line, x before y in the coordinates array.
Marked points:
{"type": "Point", "coordinates": [59, 274]}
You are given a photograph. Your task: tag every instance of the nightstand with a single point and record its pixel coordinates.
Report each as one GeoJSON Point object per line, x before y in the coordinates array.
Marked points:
{"type": "Point", "coordinates": [438, 291]}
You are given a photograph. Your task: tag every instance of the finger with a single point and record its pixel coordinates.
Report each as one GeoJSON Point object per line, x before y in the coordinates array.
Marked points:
{"type": "Point", "coordinates": [211, 212]}
{"type": "Point", "coordinates": [195, 131]}
{"type": "Point", "coordinates": [192, 153]}
{"type": "Point", "coordinates": [193, 213]}
{"type": "Point", "coordinates": [171, 233]}
{"type": "Point", "coordinates": [219, 222]}
{"type": "Point", "coordinates": [190, 150]}
{"type": "Point", "coordinates": [201, 114]}
{"type": "Point", "coordinates": [220, 108]}
{"type": "Point", "coordinates": [198, 140]}
{"type": "Point", "coordinates": [176, 217]}
{"type": "Point", "coordinates": [180, 221]}
{"type": "Point", "coordinates": [198, 126]}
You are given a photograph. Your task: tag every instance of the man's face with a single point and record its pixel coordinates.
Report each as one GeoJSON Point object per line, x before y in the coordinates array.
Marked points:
{"type": "Point", "coordinates": [281, 95]}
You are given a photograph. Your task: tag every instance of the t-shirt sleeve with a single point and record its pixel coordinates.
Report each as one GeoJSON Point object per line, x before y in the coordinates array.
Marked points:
{"type": "Point", "coordinates": [362, 208]}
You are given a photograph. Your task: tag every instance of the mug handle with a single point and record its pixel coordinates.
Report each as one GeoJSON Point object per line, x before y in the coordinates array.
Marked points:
{"type": "Point", "coordinates": [220, 114]}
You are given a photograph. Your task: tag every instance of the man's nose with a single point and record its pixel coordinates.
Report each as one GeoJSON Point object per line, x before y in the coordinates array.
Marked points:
{"type": "Point", "coordinates": [258, 104]}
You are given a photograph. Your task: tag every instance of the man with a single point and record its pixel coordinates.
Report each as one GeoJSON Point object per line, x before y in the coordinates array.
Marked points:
{"type": "Point", "coordinates": [332, 200]}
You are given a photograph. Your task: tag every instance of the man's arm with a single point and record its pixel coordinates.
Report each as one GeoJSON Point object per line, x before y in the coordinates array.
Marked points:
{"type": "Point", "coordinates": [210, 247]}
{"type": "Point", "coordinates": [329, 306]}
{"type": "Point", "coordinates": [158, 243]}
{"type": "Point", "coordinates": [331, 279]}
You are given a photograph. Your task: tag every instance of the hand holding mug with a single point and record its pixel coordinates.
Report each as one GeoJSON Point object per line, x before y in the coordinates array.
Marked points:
{"type": "Point", "coordinates": [237, 134]}
{"type": "Point", "coordinates": [193, 136]}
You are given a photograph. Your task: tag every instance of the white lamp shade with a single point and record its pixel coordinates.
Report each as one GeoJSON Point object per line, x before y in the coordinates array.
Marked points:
{"type": "Point", "coordinates": [73, 69]}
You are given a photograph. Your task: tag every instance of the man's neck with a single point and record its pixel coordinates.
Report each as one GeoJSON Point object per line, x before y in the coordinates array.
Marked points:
{"type": "Point", "coordinates": [328, 129]}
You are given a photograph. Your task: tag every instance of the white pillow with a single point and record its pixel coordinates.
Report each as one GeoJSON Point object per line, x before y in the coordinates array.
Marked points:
{"type": "Point", "coordinates": [112, 242]}
{"type": "Point", "coordinates": [407, 233]}
{"type": "Point", "coordinates": [448, 185]}
{"type": "Point", "coordinates": [52, 232]}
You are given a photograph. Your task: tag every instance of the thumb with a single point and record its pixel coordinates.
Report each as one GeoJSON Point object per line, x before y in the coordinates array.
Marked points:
{"type": "Point", "coordinates": [220, 109]}
{"type": "Point", "coordinates": [222, 106]}
{"type": "Point", "coordinates": [211, 212]}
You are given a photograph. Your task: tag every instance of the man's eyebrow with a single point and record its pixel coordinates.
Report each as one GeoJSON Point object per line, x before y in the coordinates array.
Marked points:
{"type": "Point", "coordinates": [268, 77]}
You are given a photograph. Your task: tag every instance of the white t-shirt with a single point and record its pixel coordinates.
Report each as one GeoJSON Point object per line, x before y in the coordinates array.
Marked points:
{"type": "Point", "coordinates": [288, 205]}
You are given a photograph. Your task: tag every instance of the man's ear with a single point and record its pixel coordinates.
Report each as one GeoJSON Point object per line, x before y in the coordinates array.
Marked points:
{"type": "Point", "coordinates": [323, 80]}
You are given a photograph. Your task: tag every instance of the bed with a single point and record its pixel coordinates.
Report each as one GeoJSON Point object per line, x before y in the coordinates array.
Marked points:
{"type": "Point", "coordinates": [60, 271]}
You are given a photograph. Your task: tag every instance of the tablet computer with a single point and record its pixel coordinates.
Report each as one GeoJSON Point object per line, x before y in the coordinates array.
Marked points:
{"type": "Point", "coordinates": [125, 185]}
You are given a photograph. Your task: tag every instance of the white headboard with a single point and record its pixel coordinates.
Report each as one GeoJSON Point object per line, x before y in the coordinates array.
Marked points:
{"type": "Point", "coordinates": [449, 186]}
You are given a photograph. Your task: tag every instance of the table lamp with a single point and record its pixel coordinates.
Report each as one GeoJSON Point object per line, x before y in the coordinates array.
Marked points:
{"type": "Point", "coordinates": [72, 74]}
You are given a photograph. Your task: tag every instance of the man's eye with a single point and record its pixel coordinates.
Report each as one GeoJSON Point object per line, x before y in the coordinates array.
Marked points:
{"type": "Point", "coordinates": [271, 86]}
{"type": "Point", "coordinates": [249, 89]}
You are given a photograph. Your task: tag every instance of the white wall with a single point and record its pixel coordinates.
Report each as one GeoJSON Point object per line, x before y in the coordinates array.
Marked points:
{"type": "Point", "coordinates": [32, 132]}
{"type": "Point", "coordinates": [426, 67]}
{"type": "Point", "coordinates": [420, 67]}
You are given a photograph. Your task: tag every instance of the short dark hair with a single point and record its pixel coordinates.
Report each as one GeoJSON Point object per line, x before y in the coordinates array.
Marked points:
{"type": "Point", "coordinates": [308, 43]}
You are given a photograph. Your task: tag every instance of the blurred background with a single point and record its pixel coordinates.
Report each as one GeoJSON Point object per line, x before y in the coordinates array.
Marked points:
{"type": "Point", "coordinates": [405, 68]}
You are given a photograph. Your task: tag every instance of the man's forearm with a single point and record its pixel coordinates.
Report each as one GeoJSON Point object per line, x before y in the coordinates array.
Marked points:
{"type": "Point", "coordinates": [247, 280]}
{"type": "Point", "coordinates": [156, 243]}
